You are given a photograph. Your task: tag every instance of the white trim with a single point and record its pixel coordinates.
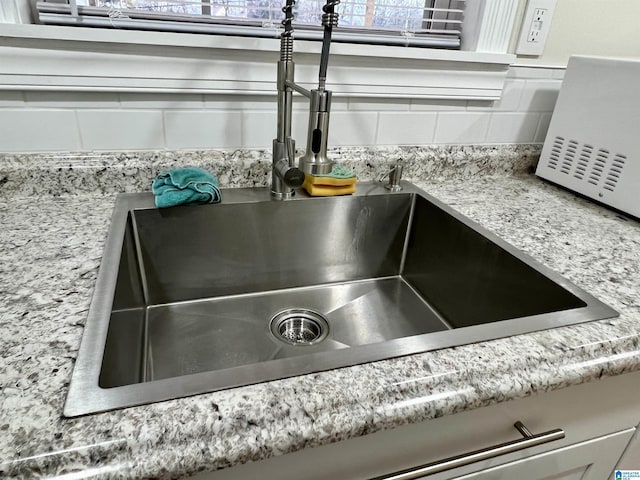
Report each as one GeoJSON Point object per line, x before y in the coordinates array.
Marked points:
{"type": "Point", "coordinates": [540, 66]}
{"type": "Point", "coordinates": [37, 57]}
{"type": "Point", "coordinates": [497, 25]}
{"type": "Point", "coordinates": [14, 11]}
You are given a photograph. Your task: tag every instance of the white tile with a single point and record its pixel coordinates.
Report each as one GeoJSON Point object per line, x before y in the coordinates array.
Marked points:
{"type": "Point", "coordinates": [120, 129]}
{"type": "Point", "coordinates": [90, 100]}
{"type": "Point", "coordinates": [410, 128]}
{"type": "Point", "coordinates": [11, 99]}
{"type": "Point", "coordinates": [509, 100]}
{"type": "Point", "coordinates": [263, 102]}
{"type": "Point", "coordinates": [338, 104]}
{"type": "Point", "coordinates": [435, 105]}
{"type": "Point", "coordinates": [543, 127]}
{"type": "Point", "coordinates": [161, 101]}
{"type": "Point", "coordinates": [539, 95]}
{"type": "Point", "coordinates": [259, 129]}
{"type": "Point", "coordinates": [352, 128]}
{"type": "Point", "coordinates": [299, 122]}
{"type": "Point", "coordinates": [345, 128]}
{"type": "Point", "coordinates": [511, 95]}
{"type": "Point", "coordinates": [512, 127]}
{"type": "Point", "coordinates": [300, 103]}
{"type": "Point", "coordinates": [203, 129]}
{"type": "Point", "coordinates": [38, 130]}
{"type": "Point", "coordinates": [379, 104]}
{"type": "Point", "coordinates": [468, 127]}
{"type": "Point", "coordinates": [529, 72]}
{"type": "Point", "coordinates": [481, 105]}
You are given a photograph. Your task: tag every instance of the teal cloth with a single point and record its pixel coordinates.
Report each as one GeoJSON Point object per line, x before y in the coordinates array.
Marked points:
{"type": "Point", "coordinates": [185, 186]}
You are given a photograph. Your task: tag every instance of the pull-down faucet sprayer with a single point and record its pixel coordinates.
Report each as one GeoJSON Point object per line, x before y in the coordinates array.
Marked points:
{"type": "Point", "coordinates": [285, 175]}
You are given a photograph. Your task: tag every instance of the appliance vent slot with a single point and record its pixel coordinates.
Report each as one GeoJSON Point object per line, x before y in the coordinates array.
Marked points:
{"type": "Point", "coordinates": [569, 157]}
{"type": "Point", "coordinates": [597, 169]}
{"type": "Point", "coordinates": [586, 163]}
{"type": "Point", "coordinates": [556, 151]}
{"type": "Point", "coordinates": [583, 161]}
{"type": "Point", "coordinates": [615, 170]}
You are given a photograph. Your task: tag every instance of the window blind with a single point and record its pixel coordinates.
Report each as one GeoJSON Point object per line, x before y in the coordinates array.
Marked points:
{"type": "Point", "coordinates": [421, 23]}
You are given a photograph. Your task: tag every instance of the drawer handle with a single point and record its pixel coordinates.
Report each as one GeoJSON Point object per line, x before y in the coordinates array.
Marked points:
{"type": "Point", "coordinates": [456, 461]}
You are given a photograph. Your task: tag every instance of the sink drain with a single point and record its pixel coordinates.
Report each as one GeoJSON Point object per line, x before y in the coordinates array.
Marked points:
{"type": "Point", "coordinates": [299, 326]}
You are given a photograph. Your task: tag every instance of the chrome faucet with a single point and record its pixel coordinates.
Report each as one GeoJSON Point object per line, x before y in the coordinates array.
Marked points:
{"type": "Point", "coordinates": [285, 175]}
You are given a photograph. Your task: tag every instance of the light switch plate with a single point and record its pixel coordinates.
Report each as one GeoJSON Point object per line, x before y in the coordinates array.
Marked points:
{"type": "Point", "coordinates": [535, 27]}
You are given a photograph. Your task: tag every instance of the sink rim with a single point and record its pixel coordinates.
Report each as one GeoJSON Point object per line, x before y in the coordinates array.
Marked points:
{"type": "Point", "coordinates": [85, 396]}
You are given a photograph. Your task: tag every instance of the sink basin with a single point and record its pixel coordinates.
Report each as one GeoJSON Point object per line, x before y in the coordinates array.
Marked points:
{"type": "Point", "coordinates": [196, 299]}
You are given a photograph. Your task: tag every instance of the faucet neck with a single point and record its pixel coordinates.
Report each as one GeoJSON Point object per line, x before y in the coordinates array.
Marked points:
{"type": "Point", "coordinates": [285, 175]}
{"type": "Point", "coordinates": [286, 70]}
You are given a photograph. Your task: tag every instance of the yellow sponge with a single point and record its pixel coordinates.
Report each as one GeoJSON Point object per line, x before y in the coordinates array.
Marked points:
{"type": "Point", "coordinates": [340, 181]}
{"type": "Point", "coordinates": [318, 190]}
{"type": "Point", "coordinates": [330, 181]}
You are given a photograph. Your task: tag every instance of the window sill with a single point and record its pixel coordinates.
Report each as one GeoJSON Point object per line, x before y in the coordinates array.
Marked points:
{"type": "Point", "coordinates": [37, 57]}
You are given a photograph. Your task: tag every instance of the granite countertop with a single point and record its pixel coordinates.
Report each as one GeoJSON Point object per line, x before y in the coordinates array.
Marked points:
{"type": "Point", "coordinates": [51, 247]}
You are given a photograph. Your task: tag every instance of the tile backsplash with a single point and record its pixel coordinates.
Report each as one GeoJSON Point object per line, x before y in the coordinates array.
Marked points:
{"type": "Point", "coordinates": [33, 121]}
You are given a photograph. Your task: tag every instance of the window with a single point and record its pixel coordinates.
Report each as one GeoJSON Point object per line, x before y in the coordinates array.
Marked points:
{"type": "Point", "coordinates": [426, 23]}
{"type": "Point", "coordinates": [207, 53]}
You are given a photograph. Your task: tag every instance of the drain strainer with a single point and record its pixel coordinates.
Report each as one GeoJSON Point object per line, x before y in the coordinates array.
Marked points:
{"type": "Point", "coordinates": [299, 326]}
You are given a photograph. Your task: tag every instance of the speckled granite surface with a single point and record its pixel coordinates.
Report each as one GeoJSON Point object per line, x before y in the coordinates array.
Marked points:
{"type": "Point", "coordinates": [51, 248]}
{"type": "Point", "coordinates": [60, 174]}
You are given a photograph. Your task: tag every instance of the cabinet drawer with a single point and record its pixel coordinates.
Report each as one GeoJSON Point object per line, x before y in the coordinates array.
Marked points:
{"type": "Point", "coordinates": [631, 457]}
{"type": "Point", "coordinates": [584, 412]}
{"type": "Point", "coordinates": [590, 460]}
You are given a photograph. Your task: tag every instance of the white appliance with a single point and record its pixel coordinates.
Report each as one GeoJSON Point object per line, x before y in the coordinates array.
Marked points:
{"type": "Point", "coordinates": [593, 142]}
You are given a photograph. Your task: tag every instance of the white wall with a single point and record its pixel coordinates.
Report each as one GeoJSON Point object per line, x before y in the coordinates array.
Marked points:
{"type": "Point", "coordinates": [72, 121]}
{"type": "Point", "coordinates": [591, 27]}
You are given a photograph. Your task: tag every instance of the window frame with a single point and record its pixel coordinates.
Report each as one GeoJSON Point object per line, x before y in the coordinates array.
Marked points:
{"type": "Point", "coordinates": [56, 58]}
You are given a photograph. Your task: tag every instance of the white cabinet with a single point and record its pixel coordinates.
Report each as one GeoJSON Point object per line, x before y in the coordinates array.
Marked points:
{"type": "Point", "coordinates": [598, 419]}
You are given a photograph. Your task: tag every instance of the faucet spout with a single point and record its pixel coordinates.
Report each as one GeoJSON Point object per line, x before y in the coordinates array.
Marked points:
{"type": "Point", "coordinates": [315, 159]}
{"type": "Point", "coordinates": [285, 176]}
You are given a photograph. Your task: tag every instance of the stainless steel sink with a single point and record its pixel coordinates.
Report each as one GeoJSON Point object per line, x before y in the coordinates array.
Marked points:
{"type": "Point", "coordinates": [196, 299]}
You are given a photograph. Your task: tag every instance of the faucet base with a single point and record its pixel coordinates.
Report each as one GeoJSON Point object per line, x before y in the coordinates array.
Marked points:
{"type": "Point", "coordinates": [282, 195]}
{"type": "Point", "coordinates": [393, 188]}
